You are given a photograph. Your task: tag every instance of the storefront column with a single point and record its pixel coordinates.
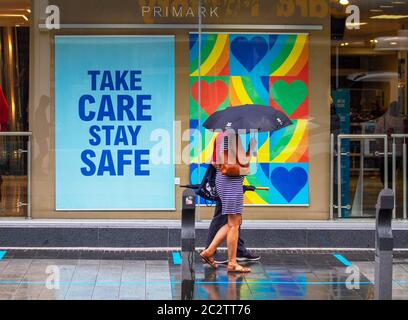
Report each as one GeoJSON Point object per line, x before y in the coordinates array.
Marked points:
{"type": "Point", "coordinates": [40, 110]}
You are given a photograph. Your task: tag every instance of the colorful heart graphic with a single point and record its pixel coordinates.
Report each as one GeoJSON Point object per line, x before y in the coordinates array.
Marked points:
{"type": "Point", "coordinates": [289, 96]}
{"type": "Point", "coordinates": [272, 40]}
{"type": "Point", "coordinates": [249, 52]}
{"type": "Point", "coordinates": [289, 183]}
{"type": "Point", "coordinates": [212, 95]}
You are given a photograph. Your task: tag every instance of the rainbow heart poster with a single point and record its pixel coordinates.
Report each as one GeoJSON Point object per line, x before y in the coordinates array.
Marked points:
{"type": "Point", "coordinates": [265, 69]}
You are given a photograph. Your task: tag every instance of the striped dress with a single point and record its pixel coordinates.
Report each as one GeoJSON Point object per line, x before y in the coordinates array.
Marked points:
{"type": "Point", "coordinates": [230, 190]}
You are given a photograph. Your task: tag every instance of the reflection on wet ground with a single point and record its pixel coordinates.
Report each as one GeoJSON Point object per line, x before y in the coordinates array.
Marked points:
{"type": "Point", "coordinates": [281, 275]}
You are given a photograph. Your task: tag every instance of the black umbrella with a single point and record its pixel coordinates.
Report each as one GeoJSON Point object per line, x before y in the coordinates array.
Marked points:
{"type": "Point", "coordinates": [248, 117]}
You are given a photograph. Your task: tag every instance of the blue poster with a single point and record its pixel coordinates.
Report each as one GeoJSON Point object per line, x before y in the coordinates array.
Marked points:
{"type": "Point", "coordinates": [341, 100]}
{"type": "Point", "coordinates": [114, 118]}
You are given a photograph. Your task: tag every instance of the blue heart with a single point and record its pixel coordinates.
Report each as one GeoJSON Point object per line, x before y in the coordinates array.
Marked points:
{"type": "Point", "coordinates": [289, 183]}
{"type": "Point", "coordinates": [193, 40]}
{"type": "Point", "coordinates": [249, 52]}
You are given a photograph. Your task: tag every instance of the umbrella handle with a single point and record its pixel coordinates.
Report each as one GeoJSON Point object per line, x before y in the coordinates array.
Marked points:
{"type": "Point", "coordinates": [253, 137]}
{"type": "Point", "coordinates": [262, 189]}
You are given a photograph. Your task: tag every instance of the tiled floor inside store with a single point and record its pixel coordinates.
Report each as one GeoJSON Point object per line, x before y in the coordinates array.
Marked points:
{"type": "Point", "coordinates": [281, 275]}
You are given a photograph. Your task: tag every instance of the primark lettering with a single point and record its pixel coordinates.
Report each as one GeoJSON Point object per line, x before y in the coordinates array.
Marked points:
{"type": "Point", "coordinates": [179, 12]}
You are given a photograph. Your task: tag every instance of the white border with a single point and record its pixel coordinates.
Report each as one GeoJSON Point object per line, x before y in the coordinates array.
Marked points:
{"type": "Point", "coordinates": [121, 210]}
{"type": "Point", "coordinates": [189, 26]}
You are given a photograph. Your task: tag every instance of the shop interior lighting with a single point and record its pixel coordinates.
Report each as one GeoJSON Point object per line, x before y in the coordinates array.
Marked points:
{"type": "Point", "coordinates": [399, 42]}
{"type": "Point", "coordinates": [355, 24]}
{"type": "Point", "coordinates": [14, 15]}
{"type": "Point", "coordinates": [389, 17]}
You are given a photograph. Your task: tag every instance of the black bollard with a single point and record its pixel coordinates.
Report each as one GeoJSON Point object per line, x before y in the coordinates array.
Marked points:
{"type": "Point", "coordinates": [384, 245]}
{"type": "Point", "coordinates": [188, 244]}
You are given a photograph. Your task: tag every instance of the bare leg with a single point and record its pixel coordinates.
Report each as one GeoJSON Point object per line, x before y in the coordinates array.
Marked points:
{"type": "Point", "coordinates": [208, 254]}
{"type": "Point", "coordinates": [234, 223]}
{"type": "Point", "coordinates": [218, 239]}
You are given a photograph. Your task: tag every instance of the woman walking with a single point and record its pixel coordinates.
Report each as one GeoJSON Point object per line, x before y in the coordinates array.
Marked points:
{"type": "Point", "coordinates": [232, 164]}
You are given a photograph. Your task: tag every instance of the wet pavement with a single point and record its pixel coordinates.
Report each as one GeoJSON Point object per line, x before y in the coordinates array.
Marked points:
{"type": "Point", "coordinates": [132, 275]}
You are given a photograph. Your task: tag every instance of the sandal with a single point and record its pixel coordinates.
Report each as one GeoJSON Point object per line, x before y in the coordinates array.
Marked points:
{"type": "Point", "coordinates": [238, 269]}
{"type": "Point", "coordinates": [209, 259]}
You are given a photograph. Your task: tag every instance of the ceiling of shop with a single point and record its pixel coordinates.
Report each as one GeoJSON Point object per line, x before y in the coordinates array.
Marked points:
{"type": "Point", "coordinates": [14, 4]}
{"type": "Point", "coordinates": [391, 8]}
{"type": "Point", "coordinates": [374, 29]}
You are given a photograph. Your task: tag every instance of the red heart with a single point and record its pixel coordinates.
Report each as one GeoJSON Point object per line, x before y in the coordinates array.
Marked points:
{"type": "Point", "coordinates": [212, 95]}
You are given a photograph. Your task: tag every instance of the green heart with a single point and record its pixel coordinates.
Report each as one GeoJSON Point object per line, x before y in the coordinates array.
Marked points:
{"type": "Point", "coordinates": [289, 96]}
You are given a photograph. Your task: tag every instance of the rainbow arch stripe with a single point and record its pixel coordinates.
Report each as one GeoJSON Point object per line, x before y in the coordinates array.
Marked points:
{"type": "Point", "coordinates": [290, 54]}
{"type": "Point", "coordinates": [247, 90]}
{"type": "Point", "coordinates": [293, 144]}
{"type": "Point", "coordinates": [214, 56]}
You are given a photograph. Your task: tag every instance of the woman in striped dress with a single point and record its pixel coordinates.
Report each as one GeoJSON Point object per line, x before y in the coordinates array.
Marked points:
{"type": "Point", "coordinates": [230, 191]}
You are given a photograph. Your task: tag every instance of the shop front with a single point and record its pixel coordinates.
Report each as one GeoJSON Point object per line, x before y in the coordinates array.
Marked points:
{"type": "Point", "coordinates": [129, 87]}
{"type": "Point", "coordinates": [119, 91]}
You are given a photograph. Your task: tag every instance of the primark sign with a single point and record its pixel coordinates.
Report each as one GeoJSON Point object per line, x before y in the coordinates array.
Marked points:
{"type": "Point", "coordinates": [95, 12]}
{"type": "Point", "coordinates": [179, 12]}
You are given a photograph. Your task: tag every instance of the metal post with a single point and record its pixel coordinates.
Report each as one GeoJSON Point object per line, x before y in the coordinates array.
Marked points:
{"type": "Point", "coordinates": [29, 167]}
{"type": "Point", "coordinates": [362, 150]}
{"type": "Point", "coordinates": [394, 176]}
{"type": "Point", "coordinates": [188, 244]}
{"type": "Point", "coordinates": [200, 33]}
{"type": "Point", "coordinates": [340, 211]}
{"type": "Point", "coordinates": [386, 162]}
{"type": "Point", "coordinates": [384, 244]}
{"type": "Point", "coordinates": [357, 137]}
{"type": "Point", "coordinates": [331, 176]}
{"type": "Point", "coordinates": [337, 67]}
{"type": "Point", "coordinates": [404, 172]}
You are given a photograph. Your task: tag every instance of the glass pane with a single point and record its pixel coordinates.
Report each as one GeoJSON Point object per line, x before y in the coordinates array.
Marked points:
{"type": "Point", "coordinates": [369, 97]}
{"type": "Point", "coordinates": [14, 94]}
{"type": "Point", "coordinates": [330, 66]}
{"type": "Point", "coordinates": [13, 179]}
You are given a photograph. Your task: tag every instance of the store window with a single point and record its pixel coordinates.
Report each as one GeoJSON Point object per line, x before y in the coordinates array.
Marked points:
{"type": "Point", "coordinates": [121, 74]}
{"type": "Point", "coordinates": [14, 98]}
{"type": "Point", "coordinates": [119, 94]}
{"type": "Point", "coordinates": [369, 97]}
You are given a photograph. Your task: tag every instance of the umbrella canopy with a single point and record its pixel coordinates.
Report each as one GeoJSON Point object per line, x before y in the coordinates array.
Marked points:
{"type": "Point", "coordinates": [248, 117]}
